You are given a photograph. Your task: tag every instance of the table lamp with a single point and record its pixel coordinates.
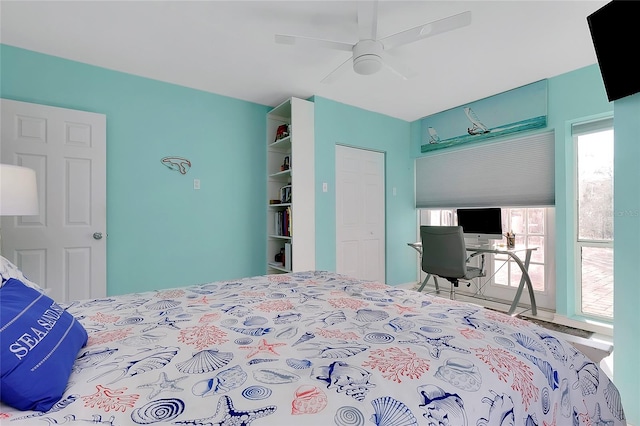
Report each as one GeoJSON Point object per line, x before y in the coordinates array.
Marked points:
{"type": "Point", "coordinates": [18, 191]}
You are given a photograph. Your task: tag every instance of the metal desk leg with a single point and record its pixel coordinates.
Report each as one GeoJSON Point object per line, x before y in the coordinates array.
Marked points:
{"type": "Point", "coordinates": [525, 278]}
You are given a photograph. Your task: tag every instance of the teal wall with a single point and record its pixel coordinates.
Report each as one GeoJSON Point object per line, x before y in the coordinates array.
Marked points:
{"type": "Point", "coordinates": [337, 123]}
{"type": "Point", "coordinates": [626, 259]}
{"type": "Point", "coordinates": [161, 232]}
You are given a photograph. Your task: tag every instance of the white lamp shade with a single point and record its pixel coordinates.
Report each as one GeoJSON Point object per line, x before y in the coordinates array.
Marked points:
{"type": "Point", "coordinates": [18, 191]}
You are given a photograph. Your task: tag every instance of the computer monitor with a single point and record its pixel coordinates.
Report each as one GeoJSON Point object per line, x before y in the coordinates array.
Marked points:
{"type": "Point", "coordinates": [482, 224]}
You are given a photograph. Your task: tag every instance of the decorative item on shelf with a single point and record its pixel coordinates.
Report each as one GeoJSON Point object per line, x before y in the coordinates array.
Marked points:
{"type": "Point", "coordinates": [511, 239]}
{"type": "Point", "coordinates": [274, 201]}
{"type": "Point", "coordinates": [279, 257]}
{"type": "Point", "coordinates": [178, 164]}
{"type": "Point", "coordinates": [282, 132]}
{"type": "Point", "coordinates": [285, 194]}
{"type": "Point", "coordinates": [285, 164]}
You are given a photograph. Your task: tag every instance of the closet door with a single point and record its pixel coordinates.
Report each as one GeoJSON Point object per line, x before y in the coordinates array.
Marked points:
{"type": "Point", "coordinates": [360, 213]}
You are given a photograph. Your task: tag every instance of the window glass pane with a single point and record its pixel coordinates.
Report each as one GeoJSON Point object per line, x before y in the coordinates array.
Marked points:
{"type": "Point", "coordinates": [447, 218]}
{"type": "Point", "coordinates": [537, 255]}
{"type": "Point", "coordinates": [597, 281]}
{"type": "Point", "coordinates": [434, 218]}
{"type": "Point", "coordinates": [595, 186]}
{"type": "Point", "coordinates": [536, 221]}
{"type": "Point", "coordinates": [502, 273]}
{"type": "Point", "coordinates": [516, 274]}
{"type": "Point", "coordinates": [536, 273]}
{"type": "Point", "coordinates": [517, 224]}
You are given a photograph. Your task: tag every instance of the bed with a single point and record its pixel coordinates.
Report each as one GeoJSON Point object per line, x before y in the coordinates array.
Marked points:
{"type": "Point", "coordinates": [317, 348]}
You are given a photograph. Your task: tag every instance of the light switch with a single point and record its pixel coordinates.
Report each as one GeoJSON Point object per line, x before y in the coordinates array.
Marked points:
{"type": "Point", "coordinates": [324, 187]}
{"type": "Point", "coordinates": [394, 191]}
{"type": "Point", "coordinates": [196, 184]}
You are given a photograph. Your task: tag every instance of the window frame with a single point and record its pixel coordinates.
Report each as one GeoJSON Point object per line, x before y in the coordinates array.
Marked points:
{"type": "Point", "coordinates": [577, 130]}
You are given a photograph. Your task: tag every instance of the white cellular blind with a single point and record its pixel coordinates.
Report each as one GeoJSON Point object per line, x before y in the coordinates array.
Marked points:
{"type": "Point", "coordinates": [592, 126]}
{"type": "Point", "coordinates": [514, 172]}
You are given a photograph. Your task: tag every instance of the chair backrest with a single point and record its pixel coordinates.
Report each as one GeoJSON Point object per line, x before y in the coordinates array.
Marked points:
{"type": "Point", "coordinates": [443, 251]}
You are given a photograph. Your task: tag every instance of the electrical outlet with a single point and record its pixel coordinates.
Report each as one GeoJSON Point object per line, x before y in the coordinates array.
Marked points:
{"type": "Point", "coordinates": [196, 184]}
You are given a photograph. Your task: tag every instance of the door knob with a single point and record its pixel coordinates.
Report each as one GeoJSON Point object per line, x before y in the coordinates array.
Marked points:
{"type": "Point", "coordinates": [97, 235]}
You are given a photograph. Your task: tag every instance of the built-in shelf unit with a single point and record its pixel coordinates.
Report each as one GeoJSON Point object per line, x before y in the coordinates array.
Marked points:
{"type": "Point", "coordinates": [291, 187]}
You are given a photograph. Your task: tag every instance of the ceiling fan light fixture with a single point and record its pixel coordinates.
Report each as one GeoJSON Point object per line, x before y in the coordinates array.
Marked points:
{"type": "Point", "coordinates": [367, 64]}
{"type": "Point", "coordinates": [367, 57]}
{"type": "Point", "coordinates": [369, 54]}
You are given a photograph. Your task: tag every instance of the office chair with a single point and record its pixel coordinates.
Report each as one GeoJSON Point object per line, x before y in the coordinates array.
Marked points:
{"type": "Point", "coordinates": [444, 255]}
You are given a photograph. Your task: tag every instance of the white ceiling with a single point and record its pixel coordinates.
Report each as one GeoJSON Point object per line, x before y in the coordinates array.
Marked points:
{"type": "Point", "coordinates": [227, 47]}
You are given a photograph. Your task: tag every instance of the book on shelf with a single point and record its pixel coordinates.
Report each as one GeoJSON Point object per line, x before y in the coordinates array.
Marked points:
{"type": "Point", "coordinates": [287, 256]}
{"type": "Point", "coordinates": [289, 220]}
{"type": "Point", "coordinates": [283, 222]}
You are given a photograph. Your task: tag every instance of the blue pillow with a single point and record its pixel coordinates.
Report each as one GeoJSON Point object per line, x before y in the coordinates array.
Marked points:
{"type": "Point", "coordinates": [39, 344]}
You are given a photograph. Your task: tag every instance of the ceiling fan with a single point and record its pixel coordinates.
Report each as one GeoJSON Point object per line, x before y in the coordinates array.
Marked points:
{"type": "Point", "coordinates": [369, 54]}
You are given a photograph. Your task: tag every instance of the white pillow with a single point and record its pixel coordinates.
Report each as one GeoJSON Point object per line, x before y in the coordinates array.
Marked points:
{"type": "Point", "coordinates": [9, 270]}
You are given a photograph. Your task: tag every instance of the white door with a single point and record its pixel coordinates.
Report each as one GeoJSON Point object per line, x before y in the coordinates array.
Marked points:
{"type": "Point", "coordinates": [360, 213]}
{"type": "Point", "coordinates": [63, 248]}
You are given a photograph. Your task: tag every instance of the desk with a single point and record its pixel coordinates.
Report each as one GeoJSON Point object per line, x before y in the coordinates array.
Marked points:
{"type": "Point", "coordinates": [511, 253]}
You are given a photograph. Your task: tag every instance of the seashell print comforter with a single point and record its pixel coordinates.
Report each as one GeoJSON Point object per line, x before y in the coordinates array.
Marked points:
{"type": "Point", "coordinates": [318, 348]}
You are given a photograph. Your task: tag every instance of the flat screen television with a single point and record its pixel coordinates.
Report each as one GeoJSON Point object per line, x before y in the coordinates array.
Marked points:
{"type": "Point", "coordinates": [612, 27]}
{"type": "Point", "coordinates": [481, 224]}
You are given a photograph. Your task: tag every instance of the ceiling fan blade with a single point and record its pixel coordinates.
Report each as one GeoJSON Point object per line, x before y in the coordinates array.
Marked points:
{"type": "Point", "coordinates": [427, 30]}
{"type": "Point", "coordinates": [367, 20]}
{"type": "Point", "coordinates": [313, 42]}
{"type": "Point", "coordinates": [336, 73]}
{"type": "Point", "coordinates": [398, 68]}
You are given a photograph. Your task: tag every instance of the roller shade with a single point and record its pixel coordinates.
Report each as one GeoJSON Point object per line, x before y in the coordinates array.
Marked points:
{"type": "Point", "coordinates": [514, 172]}
{"type": "Point", "coordinates": [592, 126]}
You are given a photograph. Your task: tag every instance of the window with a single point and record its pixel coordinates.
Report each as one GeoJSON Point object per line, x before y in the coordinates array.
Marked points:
{"type": "Point", "coordinates": [529, 226]}
{"type": "Point", "coordinates": [438, 217]}
{"type": "Point", "coordinates": [533, 226]}
{"type": "Point", "coordinates": [594, 217]}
